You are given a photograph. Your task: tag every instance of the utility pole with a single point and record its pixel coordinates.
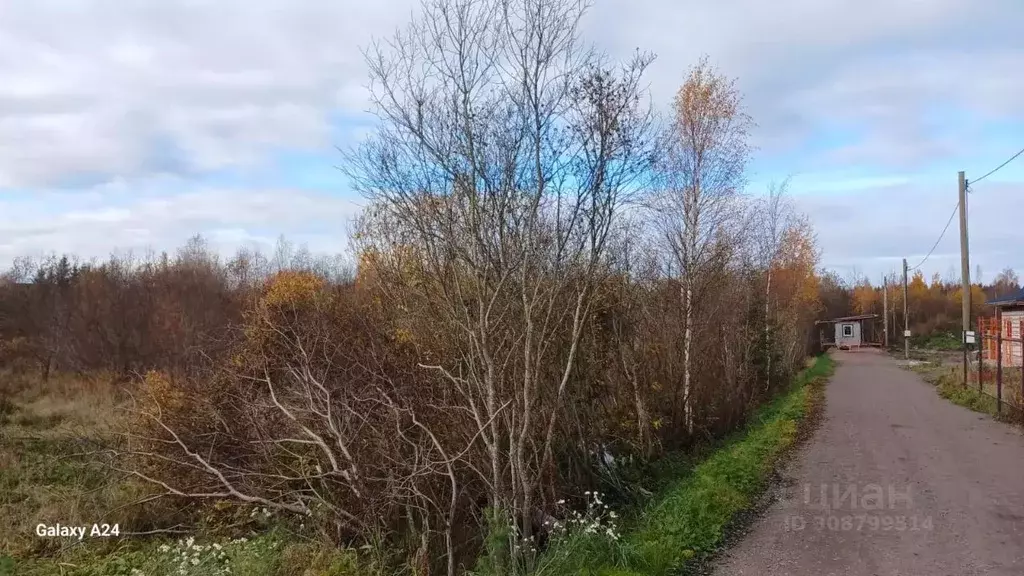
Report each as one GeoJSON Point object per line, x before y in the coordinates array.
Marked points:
{"type": "Point", "coordinates": [892, 311]}
{"type": "Point", "coordinates": [965, 268]}
{"type": "Point", "coordinates": [885, 308]}
{"type": "Point", "coordinates": [906, 319]}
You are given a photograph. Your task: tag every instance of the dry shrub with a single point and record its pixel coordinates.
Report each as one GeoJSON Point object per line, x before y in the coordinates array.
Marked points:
{"type": "Point", "coordinates": [281, 420]}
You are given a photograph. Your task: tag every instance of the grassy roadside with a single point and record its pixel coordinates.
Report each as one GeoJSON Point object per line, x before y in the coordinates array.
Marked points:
{"type": "Point", "coordinates": [948, 381]}
{"type": "Point", "coordinates": [950, 386]}
{"type": "Point", "coordinates": [968, 397]}
{"type": "Point", "coordinates": [688, 521]}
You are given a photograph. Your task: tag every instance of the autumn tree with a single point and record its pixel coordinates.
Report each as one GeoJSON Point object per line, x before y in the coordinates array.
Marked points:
{"type": "Point", "coordinates": [702, 175]}
{"type": "Point", "coordinates": [866, 299]}
{"type": "Point", "coordinates": [796, 297]}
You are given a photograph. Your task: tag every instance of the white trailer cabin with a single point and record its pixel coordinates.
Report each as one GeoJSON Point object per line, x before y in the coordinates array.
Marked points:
{"type": "Point", "coordinates": [849, 332]}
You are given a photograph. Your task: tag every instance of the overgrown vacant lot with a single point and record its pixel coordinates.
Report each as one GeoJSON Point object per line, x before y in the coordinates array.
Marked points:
{"type": "Point", "coordinates": [51, 432]}
{"type": "Point", "coordinates": [52, 441]}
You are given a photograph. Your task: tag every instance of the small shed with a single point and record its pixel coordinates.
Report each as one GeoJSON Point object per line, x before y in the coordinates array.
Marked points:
{"type": "Point", "coordinates": [848, 332]}
{"type": "Point", "coordinates": [1008, 318]}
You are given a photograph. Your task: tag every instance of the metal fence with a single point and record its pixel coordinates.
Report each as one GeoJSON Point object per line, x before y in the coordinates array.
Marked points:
{"type": "Point", "coordinates": [997, 371]}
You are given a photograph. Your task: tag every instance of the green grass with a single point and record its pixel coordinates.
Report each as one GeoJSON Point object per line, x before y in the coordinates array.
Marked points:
{"type": "Point", "coordinates": [41, 479]}
{"type": "Point", "coordinates": [944, 341]}
{"type": "Point", "coordinates": [688, 520]}
{"type": "Point", "coordinates": [968, 397]}
{"type": "Point", "coordinates": [266, 554]}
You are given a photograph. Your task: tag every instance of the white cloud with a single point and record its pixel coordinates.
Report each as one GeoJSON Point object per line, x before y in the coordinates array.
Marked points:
{"type": "Point", "coordinates": [113, 88]}
{"type": "Point", "coordinates": [94, 225]}
{"type": "Point", "coordinates": [873, 229]}
{"type": "Point", "coordinates": [810, 67]}
{"type": "Point", "coordinates": [106, 88]}
{"type": "Point", "coordinates": [143, 98]}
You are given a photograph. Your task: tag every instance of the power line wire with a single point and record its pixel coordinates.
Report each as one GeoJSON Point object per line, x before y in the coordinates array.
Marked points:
{"type": "Point", "coordinates": [948, 222]}
{"type": "Point", "coordinates": [998, 168]}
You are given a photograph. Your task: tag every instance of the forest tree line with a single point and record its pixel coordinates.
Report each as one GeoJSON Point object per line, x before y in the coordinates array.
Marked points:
{"type": "Point", "coordinates": [934, 305]}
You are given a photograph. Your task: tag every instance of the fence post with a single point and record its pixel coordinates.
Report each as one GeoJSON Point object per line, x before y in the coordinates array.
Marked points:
{"type": "Point", "coordinates": [981, 374]}
{"type": "Point", "coordinates": [999, 369]}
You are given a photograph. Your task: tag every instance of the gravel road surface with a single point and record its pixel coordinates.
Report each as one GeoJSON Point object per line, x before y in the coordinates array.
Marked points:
{"type": "Point", "coordinates": [896, 481]}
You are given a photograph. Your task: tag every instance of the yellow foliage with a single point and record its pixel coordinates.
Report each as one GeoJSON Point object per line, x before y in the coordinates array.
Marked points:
{"type": "Point", "coordinates": [706, 93]}
{"type": "Point", "coordinates": [978, 298]}
{"type": "Point", "coordinates": [866, 300]}
{"type": "Point", "coordinates": [290, 288]}
{"type": "Point", "coordinates": [917, 289]}
{"type": "Point", "coordinates": [403, 336]}
{"type": "Point", "coordinates": [161, 391]}
{"type": "Point", "coordinates": [794, 282]}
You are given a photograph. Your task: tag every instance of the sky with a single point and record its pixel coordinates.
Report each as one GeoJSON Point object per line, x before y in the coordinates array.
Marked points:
{"type": "Point", "coordinates": [135, 125]}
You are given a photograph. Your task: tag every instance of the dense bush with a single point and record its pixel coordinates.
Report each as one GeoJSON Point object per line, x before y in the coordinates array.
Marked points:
{"type": "Point", "coordinates": [315, 397]}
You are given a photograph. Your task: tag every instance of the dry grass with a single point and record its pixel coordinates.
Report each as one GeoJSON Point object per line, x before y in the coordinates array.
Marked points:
{"type": "Point", "coordinates": [48, 431]}
{"type": "Point", "coordinates": [47, 475]}
{"type": "Point", "coordinates": [946, 372]}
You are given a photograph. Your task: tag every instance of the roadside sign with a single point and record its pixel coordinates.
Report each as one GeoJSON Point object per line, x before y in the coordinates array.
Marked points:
{"type": "Point", "coordinates": [906, 333]}
{"type": "Point", "coordinates": [969, 337]}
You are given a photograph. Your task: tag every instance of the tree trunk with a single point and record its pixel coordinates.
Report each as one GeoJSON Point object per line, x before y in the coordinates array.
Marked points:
{"type": "Point", "coordinates": [767, 334]}
{"type": "Point", "coordinates": [687, 344]}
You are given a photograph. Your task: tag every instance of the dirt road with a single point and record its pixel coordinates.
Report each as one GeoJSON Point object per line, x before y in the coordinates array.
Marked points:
{"type": "Point", "coordinates": [896, 481]}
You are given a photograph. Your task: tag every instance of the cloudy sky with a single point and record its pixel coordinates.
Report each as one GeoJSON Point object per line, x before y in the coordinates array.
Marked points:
{"type": "Point", "coordinates": [133, 124]}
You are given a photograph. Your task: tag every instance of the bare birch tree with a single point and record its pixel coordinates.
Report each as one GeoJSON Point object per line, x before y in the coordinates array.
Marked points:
{"type": "Point", "coordinates": [706, 153]}
{"type": "Point", "coordinates": [771, 219]}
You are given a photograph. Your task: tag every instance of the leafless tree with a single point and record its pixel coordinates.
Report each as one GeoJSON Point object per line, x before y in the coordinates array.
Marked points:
{"type": "Point", "coordinates": [770, 221]}
{"type": "Point", "coordinates": [1006, 282]}
{"type": "Point", "coordinates": [505, 150]}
